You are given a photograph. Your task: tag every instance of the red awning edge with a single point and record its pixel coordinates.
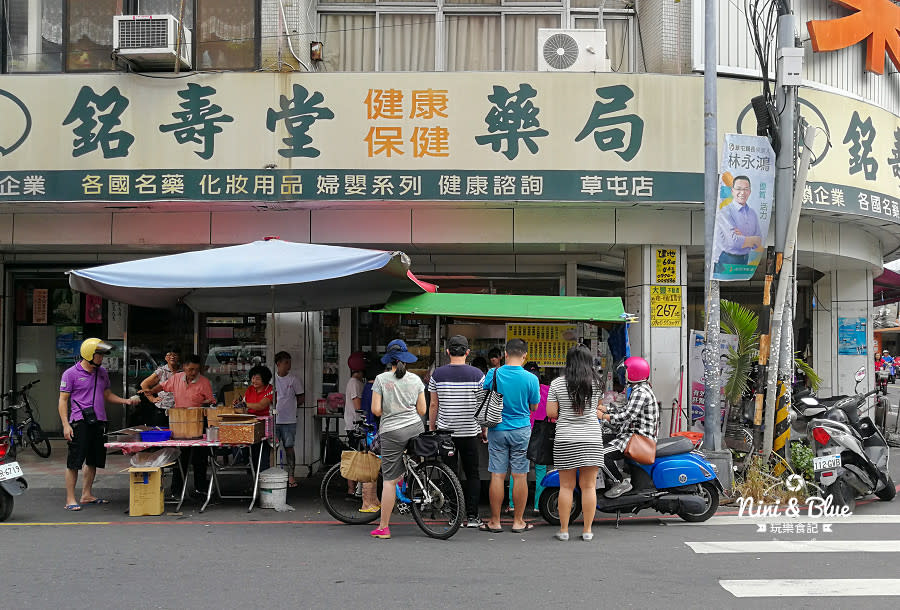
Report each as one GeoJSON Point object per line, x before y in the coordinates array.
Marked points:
{"type": "Point", "coordinates": [420, 283]}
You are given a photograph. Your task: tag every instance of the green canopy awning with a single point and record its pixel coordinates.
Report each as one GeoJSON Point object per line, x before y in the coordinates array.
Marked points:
{"type": "Point", "coordinates": [508, 307]}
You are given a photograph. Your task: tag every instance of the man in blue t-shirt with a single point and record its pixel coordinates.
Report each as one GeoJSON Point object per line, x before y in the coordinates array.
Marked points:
{"type": "Point", "coordinates": [508, 441]}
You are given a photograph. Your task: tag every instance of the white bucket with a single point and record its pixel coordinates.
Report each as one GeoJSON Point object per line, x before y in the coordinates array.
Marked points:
{"type": "Point", "coordinates": [272, 488]}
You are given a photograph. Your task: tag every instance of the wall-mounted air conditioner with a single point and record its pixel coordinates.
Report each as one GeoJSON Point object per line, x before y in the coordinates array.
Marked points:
{"type": "Point", "coordinates": [572, 51]}
{"type": "Point", "coordinates": [151, 41]}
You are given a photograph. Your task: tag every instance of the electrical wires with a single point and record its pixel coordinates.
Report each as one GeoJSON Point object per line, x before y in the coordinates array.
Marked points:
{"type": "Point", "coordinates": [762, 22]}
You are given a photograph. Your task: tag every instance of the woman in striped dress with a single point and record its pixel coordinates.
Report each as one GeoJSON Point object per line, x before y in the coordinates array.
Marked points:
{"type": "Point", "coordinates": [574, 400]}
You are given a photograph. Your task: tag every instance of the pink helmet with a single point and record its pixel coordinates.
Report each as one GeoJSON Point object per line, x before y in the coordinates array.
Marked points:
{"type": "Point", "coordinates": [636, 369]}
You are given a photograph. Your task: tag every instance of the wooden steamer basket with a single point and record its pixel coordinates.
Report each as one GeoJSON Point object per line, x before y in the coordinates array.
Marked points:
{"type": "Point", "coordinates": [213, 413]}
{"type": "Point", "coordinates": [240, 429]}
{"type": "Point", "coordinates": [186, 423]}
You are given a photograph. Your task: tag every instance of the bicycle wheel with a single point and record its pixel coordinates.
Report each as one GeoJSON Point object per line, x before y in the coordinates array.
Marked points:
{"type": "Point", "coordinates": [339, 503]}
{"type": "Point", "coordinates": [40, 444]}
{"type": "Point", "coordinates": [440, 512]}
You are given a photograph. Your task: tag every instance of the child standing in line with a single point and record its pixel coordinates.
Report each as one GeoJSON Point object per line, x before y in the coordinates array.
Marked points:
{"type": "Point", "coordinates": [288, 396]}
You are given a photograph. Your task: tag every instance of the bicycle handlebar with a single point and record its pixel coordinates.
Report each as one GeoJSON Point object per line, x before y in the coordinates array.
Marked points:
{"type": "Point", "coordinates": [24, 388]}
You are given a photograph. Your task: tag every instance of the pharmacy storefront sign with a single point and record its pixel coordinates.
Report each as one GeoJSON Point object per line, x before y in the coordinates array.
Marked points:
{"type": "Point", "coordinates": [506, 137]}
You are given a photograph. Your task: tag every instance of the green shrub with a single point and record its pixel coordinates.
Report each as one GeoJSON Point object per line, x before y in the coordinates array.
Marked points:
{"type": "Point", "coordinates": [802, 460]}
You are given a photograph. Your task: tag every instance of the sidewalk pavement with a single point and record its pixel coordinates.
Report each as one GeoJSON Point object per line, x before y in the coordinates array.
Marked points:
{"type": "Point", "coordinates": [43, 501]}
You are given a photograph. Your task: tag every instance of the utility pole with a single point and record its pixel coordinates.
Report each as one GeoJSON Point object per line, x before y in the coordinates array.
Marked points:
{"type": "Point", "coordinates": [3, 41]}
{"type": "Point", "coordinates": [781, 329]}
{"type": "Point", "coordinates": [712, 422]}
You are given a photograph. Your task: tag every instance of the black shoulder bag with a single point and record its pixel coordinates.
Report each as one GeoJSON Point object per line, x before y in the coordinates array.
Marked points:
{"type": "Point", "coordinates": [87, 413]}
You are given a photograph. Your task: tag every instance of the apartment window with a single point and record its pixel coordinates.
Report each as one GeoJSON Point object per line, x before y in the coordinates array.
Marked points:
{"type": "Point", "coordinates": [349, 40]}
{"type": "Point", "coordinates": [35, 35]}
{"type": "Point", "coordinates": [474, 42]}
{"type": "Point", "coordinates": [457, 35]}
{"type": "Point", "coordinates": [90, 25]}
{"type": "Point", "coordinates": [226, 34]}
{"type": "Point", "coordinates": [520, 39]}
{"type": "Point", "coordinates": [407, 42]}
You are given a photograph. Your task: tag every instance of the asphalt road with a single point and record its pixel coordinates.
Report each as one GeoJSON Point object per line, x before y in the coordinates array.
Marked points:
{"type": "Point", "coordinates": [227, 558]}
{"type": "Point", "coordinates": [185, 563]}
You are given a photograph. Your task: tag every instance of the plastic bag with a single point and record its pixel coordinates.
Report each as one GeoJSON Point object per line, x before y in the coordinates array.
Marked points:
{"type": "Point", "coordinates": [155, 458]}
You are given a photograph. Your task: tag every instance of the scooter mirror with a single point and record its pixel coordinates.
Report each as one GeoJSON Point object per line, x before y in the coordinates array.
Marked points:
{"type": "Point", "coordinates": [860, 374]}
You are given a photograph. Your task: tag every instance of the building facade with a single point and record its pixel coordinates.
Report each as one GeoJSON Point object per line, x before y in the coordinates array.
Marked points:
{"type": "Point", "coordinates": [427, 127]}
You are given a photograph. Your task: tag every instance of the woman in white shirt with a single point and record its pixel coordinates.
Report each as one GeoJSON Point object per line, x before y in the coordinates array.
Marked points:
{"type": "Point", "coordinates": [398, 398]}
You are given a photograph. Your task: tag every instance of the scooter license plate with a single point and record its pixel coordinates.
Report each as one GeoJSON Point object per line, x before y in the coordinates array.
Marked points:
{"type": "Point", "coordinates": [826, 462]}
{"type": "Point", "coordinates": [12, 470]}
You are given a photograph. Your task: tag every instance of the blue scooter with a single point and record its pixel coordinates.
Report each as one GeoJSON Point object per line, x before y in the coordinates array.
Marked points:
{"type": "Point", "coordinates": [679, 482]}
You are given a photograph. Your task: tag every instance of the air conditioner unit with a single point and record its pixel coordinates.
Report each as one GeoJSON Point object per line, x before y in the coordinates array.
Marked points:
{"type": "Point", "coordinates": [572, 51]}
{"type": "Point", "coordinates": [151, 41]}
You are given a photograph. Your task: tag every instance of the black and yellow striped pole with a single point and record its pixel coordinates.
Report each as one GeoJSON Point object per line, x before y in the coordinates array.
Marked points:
{"type": "Point", "coordinates": [782, 427]}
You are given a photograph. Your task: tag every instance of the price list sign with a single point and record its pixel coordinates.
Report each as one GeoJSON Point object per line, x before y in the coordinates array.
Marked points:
{"type": "Point", "coordinates": [665, 306]}
{"type": "Point", "coordinates": [666, 266]}
{"type": "Point", "coordinates": [547, 343]}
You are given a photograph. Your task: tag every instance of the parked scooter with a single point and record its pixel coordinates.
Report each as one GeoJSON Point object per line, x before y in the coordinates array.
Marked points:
{"type": "Point", "coordinates": [12, 481]}
{"type": "Point", "coordinates": [851, 454]}
{"type": "Point", "coordinates": [882, 376]}
{"type": "Point", "coordinates": [679, 482]}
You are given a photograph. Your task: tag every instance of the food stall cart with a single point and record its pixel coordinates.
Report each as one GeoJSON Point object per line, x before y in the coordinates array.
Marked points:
{"type": "Point", "coordinates": [549, 324]}
{"type": "Point", "coordinates": [200, 444]}
{"type": "Point", "coordinates": [268, 275]}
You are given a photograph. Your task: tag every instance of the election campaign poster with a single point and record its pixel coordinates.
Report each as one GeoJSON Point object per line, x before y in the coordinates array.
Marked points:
{"type": "Point", "coordinates": [746, 192]}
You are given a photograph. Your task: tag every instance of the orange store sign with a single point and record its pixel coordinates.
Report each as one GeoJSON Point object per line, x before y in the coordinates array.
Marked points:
{"type": "Point", "coordinates": [875, 21]}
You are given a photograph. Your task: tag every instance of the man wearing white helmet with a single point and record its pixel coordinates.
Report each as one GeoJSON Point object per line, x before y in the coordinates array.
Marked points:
{"type": "Point", "coordinates": [639, 416]}
{"type": "Point", "coordinates": [86, 386]}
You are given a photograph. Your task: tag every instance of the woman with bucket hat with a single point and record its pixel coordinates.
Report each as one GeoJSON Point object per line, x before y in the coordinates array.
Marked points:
{"type": "Point", "coordinates": [398, 398]}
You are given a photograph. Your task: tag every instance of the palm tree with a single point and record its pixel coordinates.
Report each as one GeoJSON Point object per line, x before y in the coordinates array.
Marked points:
{"type": "Point", "coordinates": [742, 322]}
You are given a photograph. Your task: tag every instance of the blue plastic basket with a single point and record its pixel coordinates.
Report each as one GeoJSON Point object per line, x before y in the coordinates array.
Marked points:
{"type": "Point", "coordinates": [155, 436]}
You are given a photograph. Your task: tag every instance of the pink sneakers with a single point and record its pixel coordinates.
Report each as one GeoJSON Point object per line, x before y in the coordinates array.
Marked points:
{"type": "Point", "coordinates": [383, 533]}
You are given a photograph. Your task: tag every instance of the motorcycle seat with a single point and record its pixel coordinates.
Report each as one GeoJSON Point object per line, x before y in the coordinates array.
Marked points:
{"type": "Point", "coordinates": [827, 402]}
{"type": "Point", "coordinates": [673, 446]}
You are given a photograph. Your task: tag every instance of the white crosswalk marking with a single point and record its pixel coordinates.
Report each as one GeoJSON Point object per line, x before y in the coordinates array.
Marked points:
{"type": "Point", "coordinates": [826, 587]}
{"type": "Point", "coordinates": [805, 587]}
{"type": "Point", "coordinates": [797, 546]}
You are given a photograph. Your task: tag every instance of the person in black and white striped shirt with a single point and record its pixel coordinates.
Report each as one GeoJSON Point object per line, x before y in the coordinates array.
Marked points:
{"type": "Point", "coordinates": [453, 404]}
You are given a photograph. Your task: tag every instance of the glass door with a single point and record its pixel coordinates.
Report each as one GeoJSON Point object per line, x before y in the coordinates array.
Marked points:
{"type": "Point", "coordinates": [50, 321]}
{"type": "Point", "coordinates": [233, 344]}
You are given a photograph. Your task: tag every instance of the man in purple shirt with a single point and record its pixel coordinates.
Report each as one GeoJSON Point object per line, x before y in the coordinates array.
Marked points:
{"type": "Point", "coordinates": [86, 386]}
{"type": "Point", "coordinates": [737, 229]}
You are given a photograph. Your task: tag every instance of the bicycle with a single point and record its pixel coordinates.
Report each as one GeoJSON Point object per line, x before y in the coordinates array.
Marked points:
{"type": "Point", "coordinates": [29, 432]}
{"type": "Point", "coordinates": [429, 490]}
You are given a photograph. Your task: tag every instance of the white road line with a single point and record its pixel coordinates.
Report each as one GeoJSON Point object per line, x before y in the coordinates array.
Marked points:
{"type": "Point", "coordinates": [735, 520]}
{"type": "Point", "coordinates": [826, 587]}
{"type": "Point", "coordinates": [797, 546]}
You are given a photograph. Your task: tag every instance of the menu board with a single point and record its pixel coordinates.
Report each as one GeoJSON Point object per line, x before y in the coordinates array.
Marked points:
{"type": "Point", "coordinates": [547, 343]}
